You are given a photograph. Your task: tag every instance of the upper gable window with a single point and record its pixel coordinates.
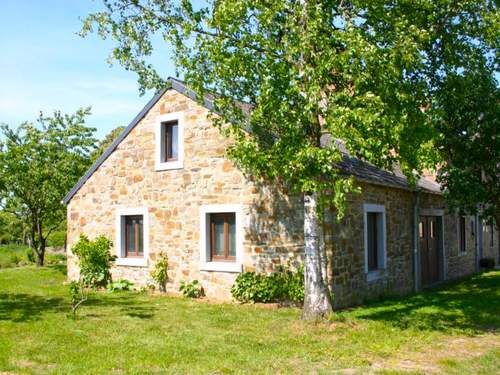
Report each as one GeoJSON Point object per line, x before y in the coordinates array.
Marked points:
{"type": "Point", "coordinates": [169, 142]}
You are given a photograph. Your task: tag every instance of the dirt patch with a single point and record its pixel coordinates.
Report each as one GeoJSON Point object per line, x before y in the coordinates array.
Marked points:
{"type": "Point", "coordinates": [427, 361]}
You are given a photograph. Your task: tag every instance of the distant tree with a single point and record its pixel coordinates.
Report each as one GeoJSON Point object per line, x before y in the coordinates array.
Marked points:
{"type": "Point", "coordinates": [38, 166]}
{"type": "Point", "coordinates": [106, 142]}
{"type": "Point", "coordinates": [362, 70]}
{"type": "Point", "coordinates": [11, 228]}
{"type": "Point", "coordinates": [469, 143]}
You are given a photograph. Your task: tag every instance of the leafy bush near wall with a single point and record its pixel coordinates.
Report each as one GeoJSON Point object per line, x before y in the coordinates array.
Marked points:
{"type": "Point", "coordinates": [94, 260]}
{"type": "Point", "coordinates": [120, 285]}
{"type": "Point", "coordinates": [159, 273]}
{"type": "Point", "coordinates": [283, 285]}
{"type": "Point", "coordinates": [192, 289]}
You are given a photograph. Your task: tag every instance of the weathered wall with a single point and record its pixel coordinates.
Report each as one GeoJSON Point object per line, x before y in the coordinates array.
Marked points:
{"type": "Point", "coordinates": [272, 225]}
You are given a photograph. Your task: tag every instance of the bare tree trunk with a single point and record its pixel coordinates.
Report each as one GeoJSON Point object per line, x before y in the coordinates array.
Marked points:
{"type": "Point", "coordinates": [316, 297]}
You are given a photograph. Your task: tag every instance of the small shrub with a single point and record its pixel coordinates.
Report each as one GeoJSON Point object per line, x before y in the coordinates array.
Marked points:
{"type": "Point", "coordinates": [15, 259]}
{"type": "Point", "coordinates": [192, 289]}
{"type": "Point", "coordinates": [78, 293]}
{"type": "Point", "coordinates": [254, 287]}
{"type": "Point", "coordinates": [120, 285]}
{"type": "Point", "coordinates": [95, 260]}
{"type": "Point", "coordinates": [283, 285]}
{"type": "Point", "coordinates": [488, 263]}
{"type": "Point", "coordinates": [159, 273]}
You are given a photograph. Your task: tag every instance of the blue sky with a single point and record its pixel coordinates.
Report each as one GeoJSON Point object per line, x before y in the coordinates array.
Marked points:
{"type": "Point", "coordinates": [45, 66]}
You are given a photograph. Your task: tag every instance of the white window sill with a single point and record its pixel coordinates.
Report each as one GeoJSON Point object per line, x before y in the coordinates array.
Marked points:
{"type": "Point", "coordinates": [133, 262]}
{"type": "Point", "coordinates": [177, 164]}
{"type": "Point", "coordinates": [221, 266]}
{"type": "Point", "coordinates": [375, 275]}
{"type": "Point", "coordinates": [462, 253]}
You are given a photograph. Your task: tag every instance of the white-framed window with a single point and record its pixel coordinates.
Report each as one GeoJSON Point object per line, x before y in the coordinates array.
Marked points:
{"type": "Point", "coordinates": [132, 237]}
{"type": "Point", "coordinates": [169, 141]}
{"type": "Point", "coordinates": [375, 240]}
{"type": "Point", "coordinates": [221, 238]}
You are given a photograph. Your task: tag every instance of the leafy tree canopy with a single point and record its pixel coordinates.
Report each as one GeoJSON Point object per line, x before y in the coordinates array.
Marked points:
{"type": "Point", "coordinates": [363, 71]}
{"type": "Point", "coordinates": [38, 165]}
{"type": "Point", "coordinates": [470, 143]}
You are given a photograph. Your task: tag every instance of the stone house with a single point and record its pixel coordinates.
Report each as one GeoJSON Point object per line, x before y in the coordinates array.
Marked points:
{"type": "Point", "coordinates": [165, 185]}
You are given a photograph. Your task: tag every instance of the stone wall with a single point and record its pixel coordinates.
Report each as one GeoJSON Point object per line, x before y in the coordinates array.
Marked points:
{"type": "Point", "coordinates": [128, 179]}
{"type": "Point", "coordinates": [272, 219]}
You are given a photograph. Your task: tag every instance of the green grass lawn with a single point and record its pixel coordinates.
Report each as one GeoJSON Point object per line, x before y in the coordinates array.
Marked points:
{"type": "Point", "coordinates": [453, 329]}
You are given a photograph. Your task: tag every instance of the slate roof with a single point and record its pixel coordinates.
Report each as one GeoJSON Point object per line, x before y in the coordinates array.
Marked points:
{"type": "Point", "coordinates": [361, 170]}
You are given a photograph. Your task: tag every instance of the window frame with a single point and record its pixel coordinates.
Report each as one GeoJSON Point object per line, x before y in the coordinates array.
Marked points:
{"type": "Point", "coordinates": [163, 163]}
{"type": "Point", "coordinates": [373, 274]}
{"type": "Point", "coordinates": [207, 263]}
{"type": "Point", "coordinates": [121, 241]}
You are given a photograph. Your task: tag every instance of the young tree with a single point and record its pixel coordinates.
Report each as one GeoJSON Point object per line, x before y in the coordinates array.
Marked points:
{"type": "Point", "coordinates": [360, 70]}
{"type": "Point", "coordinates": [38, 166]}
{"type": "Point", "coordinates": [470, 143]}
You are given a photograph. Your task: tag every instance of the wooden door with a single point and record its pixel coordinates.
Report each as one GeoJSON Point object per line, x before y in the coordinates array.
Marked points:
{"type": "Point", "coordinates": [429, 249]}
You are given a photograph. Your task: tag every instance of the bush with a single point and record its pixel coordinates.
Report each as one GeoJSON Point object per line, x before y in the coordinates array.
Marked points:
{"type": "Point", "coordinates": [120, 285]}
{"type": "Point", "coordinates": [159, 273]}
{"type": "Point", "coordinates": [95, 260]}
{"type": "Point", "coordinates": [192, 289]}
{"type": "Point", "coordinates": [283, 285]}
{"type": "Point", "coordinates": [30, 255]}
{"type": "Point", "coordinates": [488, 263]}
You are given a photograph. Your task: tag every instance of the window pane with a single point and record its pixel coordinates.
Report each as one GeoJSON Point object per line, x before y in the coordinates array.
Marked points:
{"type": "Point", "coordinates": [130, 235]}
{"type": "Point", "coordinates": [372, 241]}
{"type": "Point", "coordinates": [462, 234]}
{"type": "Point", "coordinates": [232, 236]}
{"type": "Point", "coordinates": [140, 239]}
{"type": "Point", "coordinates": [174, 141]}
{"type": "Point", "coordinates": [421, 229]}
{"type": "Point", "coordinates": [218, 232]}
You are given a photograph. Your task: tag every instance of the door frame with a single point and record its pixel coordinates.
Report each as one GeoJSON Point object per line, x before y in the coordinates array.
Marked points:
{"type": "Point", "coordinates": [443, 264]}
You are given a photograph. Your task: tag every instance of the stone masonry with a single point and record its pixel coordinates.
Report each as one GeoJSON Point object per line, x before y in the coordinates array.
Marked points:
{"type": "Point", "coordinates": [272, 219]}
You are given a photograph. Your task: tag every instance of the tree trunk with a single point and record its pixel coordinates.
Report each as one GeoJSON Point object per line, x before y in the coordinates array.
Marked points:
{"type": "Point", "coordinates": [316, 297]}
{"type": "Point", "coordinates": [40, 252]}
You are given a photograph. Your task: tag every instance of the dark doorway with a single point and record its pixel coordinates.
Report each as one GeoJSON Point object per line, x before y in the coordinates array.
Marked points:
{"type": "Point", "coordinates": [429, 234]}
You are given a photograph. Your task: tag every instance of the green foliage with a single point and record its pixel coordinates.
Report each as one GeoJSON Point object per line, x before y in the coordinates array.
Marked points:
{"type": "Point", "coordinates": [469, 144]}
{"type": "Point", "coordinates": [30, 255]}
{"type": "Point", "coordinates": [78, 292]}
{"type": "Point", "coordinates": [283, 285]}
{"type": "Point", "coordinates": [38, 165]}
{"type": "Point", "coordinates": [57, 238]}
{"type": "Point", "coordinates": [106, 142]}
{"type": "Point", "coordinates": [11, 228]}
{"type": "Point", "coordinates": [192, 289]}
{"type": "Point", "coordinates": [120, 285]}
{"type": "Point", "coordinates": [159, 273]}
{"type": "Point", "coordinates": [13, 255]}
{"type": "Point", "coordinates": [94, 260]}
{"type": "Point", "coordinates": [363, 71]}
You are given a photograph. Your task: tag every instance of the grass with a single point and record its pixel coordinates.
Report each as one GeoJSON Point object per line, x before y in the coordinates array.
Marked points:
{"type": "Point", "coordinates": [14, 255]}
{"type": "Point", "coordinates": [453, 329]}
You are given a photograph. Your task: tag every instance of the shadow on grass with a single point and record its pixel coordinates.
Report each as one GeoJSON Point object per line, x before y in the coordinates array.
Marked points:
{"type": "Point", "coordinates": [471, 306]}
{"type": "Point", "coordinates": [20, 307]}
